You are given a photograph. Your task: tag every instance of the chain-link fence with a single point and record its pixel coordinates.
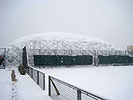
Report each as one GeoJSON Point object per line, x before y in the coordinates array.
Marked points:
{"type": "Point", "coordinates": [13, 56]}
{"type": "Point", "coordinates": [59, 90]}
{"type": "Point", "coordinates": [54, 52]}
{"type": "Point", "coordinates": [2, 58]}
{"type": "Point", "coordinates": [72, 57]}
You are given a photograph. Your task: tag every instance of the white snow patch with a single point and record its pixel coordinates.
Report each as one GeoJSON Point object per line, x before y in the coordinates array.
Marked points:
{"type": "Point", "coordinates": [5, 84]}
{"type": "Point", "coordinates": [114, 83]}
{"type": "Point", "coordinates": [24, 89]}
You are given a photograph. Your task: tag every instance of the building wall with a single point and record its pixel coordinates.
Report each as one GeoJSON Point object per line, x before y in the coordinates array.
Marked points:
{"type": "Point", "coordinates": [130, 48]}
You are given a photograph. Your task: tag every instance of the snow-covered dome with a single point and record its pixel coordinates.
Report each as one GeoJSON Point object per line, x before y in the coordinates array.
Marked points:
{"type": "Point", "coordinates": [59, 41]}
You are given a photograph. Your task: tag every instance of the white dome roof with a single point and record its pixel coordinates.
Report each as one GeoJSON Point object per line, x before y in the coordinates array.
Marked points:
{"type": "Point", "coordinates": [59, 43]}
{"type": "Point", "coordinates": [61, 40]}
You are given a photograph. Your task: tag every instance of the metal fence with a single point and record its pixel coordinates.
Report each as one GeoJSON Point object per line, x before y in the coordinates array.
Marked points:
{"type": "Point", "coordinates": [63, 60]}
{"type": "Point", "coordinates": [13, 56]}
{"type": "Point", "coordinates": [59, 90]}
{"type": "Point", "coordinates": [2, 58]}
{"type": "Point", "coordinates": [73, 53]}
{"type": "Point", "coordinates": [37, 76]}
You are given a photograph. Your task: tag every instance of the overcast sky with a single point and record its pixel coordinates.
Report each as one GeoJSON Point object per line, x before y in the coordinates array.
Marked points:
{"type": "Point", "coordinates": [110, 20]}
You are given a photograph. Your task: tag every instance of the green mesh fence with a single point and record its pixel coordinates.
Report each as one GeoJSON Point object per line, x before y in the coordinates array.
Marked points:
{"type": "Point", "coordinates": [115, 59]}
{"type": "Point", "coordinates": [61, 60]}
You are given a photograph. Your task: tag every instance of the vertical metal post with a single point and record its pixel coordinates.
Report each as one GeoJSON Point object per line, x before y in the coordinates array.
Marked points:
{"type": "Point", "coordinates": [94, 58]}
{"type": "Point", "coordinates": [93, 61]}
{"type": "Point", "coordinates": [24, 58]}
{"type": "Point", "coordinates": [28, 70]}
{"type": "Point", "coordinates": [78, 95]}
{"type": "Point", "coordinates": [43, 81]}
{"type": "Point", "coordinates": [97, 62]}
{"type": "Point", "coordinates": [49, 86]}
{"type": "Point", "coordinates": [97, 59]}
{"type": "Point", "coordinates": [38, 77]}
{"type": "Point", "coordinates": [4, 57]}
{"type": "Point", "coordinates": [31, 72]}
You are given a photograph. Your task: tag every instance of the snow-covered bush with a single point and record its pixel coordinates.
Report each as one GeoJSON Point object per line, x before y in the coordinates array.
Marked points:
{"type": "Point", "coordinates": [22, 69]}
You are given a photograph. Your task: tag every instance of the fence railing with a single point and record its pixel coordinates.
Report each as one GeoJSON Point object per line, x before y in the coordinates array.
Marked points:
{"type": "Point", "coordinates": [59, 90]}
{"type": "Point", "coordinates": [37, 76]}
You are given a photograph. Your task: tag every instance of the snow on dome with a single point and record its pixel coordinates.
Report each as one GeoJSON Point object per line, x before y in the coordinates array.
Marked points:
{"type": "Point", "coordinates": [59, 41]}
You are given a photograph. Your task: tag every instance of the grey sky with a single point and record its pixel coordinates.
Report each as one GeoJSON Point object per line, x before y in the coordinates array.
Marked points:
{"type": "Point", "coordinates": [110, 20]}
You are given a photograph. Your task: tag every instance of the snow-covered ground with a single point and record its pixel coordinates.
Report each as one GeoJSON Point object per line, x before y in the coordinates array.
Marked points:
{"type": "Point", "coordinates": [114, 83]}
{"type": "Point", "coordinates": [5, 84]}
{"type": "Point", "coordinates": [24, 89]}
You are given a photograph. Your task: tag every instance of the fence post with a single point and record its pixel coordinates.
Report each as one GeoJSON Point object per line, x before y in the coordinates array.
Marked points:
{"type": "Point", "coordinates": [78, 95]}
{"type": "Point", "coordinates": [49, 86]}
{"type": "Point", "coordinates": [38, 77]}
{"type": "Point", "coordinates": [31, 72]}
{"type": "Point", "coordinates": [95, 58]}
{"type": "Point", "coordinates": [4, 57]}
{"type": "Point", "coordinates": [43, 81]}
{"type": "Point", "coordinates": [39, 54]}
{"type": "Point", "coordinates": [27, 70]}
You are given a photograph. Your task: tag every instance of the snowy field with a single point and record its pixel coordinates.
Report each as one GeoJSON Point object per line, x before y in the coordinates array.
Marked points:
{"type": "Point", "coordinates": [113, 82]}
{"type": "Point", "coordinates": [24, 89]}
